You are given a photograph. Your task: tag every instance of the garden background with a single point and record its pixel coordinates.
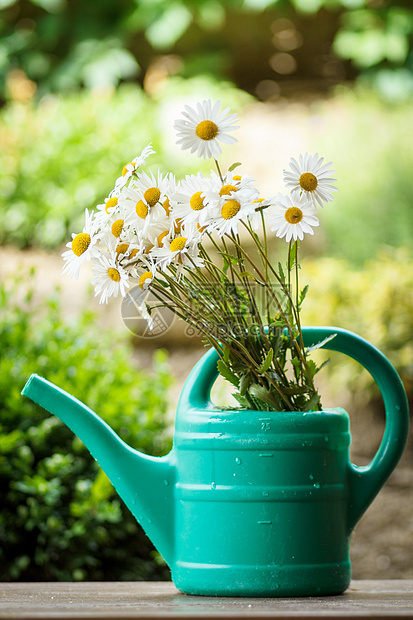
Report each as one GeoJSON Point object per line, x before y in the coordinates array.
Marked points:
{"type": "Point", "coordinates": [84, 87]}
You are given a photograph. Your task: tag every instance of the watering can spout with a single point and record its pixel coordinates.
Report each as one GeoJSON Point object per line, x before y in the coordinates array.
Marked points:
{"type": "Point", "coordinates": [145, 483]}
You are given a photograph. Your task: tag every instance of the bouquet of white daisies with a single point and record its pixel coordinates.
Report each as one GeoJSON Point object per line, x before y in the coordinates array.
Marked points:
{"type": "Point", "coordinates": [200, 247]}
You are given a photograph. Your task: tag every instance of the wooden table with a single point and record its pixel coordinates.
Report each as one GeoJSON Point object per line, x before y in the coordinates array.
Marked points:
{"type": "Point", "coordinates": [137, 600]}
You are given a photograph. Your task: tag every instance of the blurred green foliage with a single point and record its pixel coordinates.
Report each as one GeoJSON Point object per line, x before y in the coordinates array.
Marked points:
{"type": "Point", "coordinates": [62, 157]}
{"type": "Point", "coordinates": [379, 42]}
{"type": "Point", "coordinates": [61, 45]}
{"type": "Point", "coordinates": [60, 517]}
{"type": "Point", "coordinates": [369, 142]}
{"type": "Point", "coordinates": [64, 154]}
{"type": "Point", "coordinates": [376, 302]}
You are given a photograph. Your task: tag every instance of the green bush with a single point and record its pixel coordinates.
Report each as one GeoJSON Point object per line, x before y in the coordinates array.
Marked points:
{"type": "Point", "coordinates": [60, 517]}
{"type": "Point", "coordinates": [64, 155]}
{"type": "Point", "coordinates": [376, 302]}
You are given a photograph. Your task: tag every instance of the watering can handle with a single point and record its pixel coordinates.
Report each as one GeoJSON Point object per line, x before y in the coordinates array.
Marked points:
{"type": "Point", "coordinates": [363, 482]}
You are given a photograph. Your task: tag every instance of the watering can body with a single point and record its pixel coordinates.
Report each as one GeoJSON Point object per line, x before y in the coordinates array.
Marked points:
{"type": "Point", "coordinates": [261, 505]}
{"type": "Point", "coordinates": [249, 503]}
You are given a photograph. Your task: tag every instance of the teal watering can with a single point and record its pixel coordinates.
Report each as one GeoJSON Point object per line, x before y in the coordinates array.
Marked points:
{"type": "Point", "coordinates": [249, 503]}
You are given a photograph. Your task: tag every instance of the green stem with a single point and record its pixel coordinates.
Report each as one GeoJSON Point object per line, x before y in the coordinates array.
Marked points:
{"type": "Point", "coordinates": [295, 344]}
{"type": "Point", "coordinates": [219, 171]}
{"type": "Point", "coordinates": [264, 233]}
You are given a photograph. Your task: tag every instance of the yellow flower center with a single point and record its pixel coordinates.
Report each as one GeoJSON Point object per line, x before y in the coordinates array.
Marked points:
{"type": "Point", "coordinates": [133, 253]}
{"type": "Point", "coordinates": [196, 202]}
{"type": "Point", "coordinates": [227, 189]}
{"type": "Point", "coordinates": [308, 182]}
{"type": "Point", "coordinates": [167, 206]}
{"type": "Point", "coordinates": [121, 249]}
{"type": "Point", "coordinates": [230, 209]}
{"type": "Point", "coordinates": [114, 274]}
{"type": "Point", "coordinates": [125, 168]}
{"type": "Point", "coordinates": [117, 228]}
{"type": "Point", "coordinates": [111, 202]}
{"type": "Point", "coordinates": [206, 130]}
{"type": "Point", "coordinates": [152, 196]}
{"type": "Point", "coordinates": [178, 244]}
{"type": "Point", "coordinates": [142, 209]}
{"type": "Point", "coordinates": [161, 238]}
{"type": "Point", "coordinates": [80, 243]}
{"type": "Point", "coordinates": [293, 215]}
{"type": "Point", "coordinates": [145, 276]}
{"type": "Point", "coordinates": [148, 249]}
{"type": "Point", "coordinates": [237, 177]}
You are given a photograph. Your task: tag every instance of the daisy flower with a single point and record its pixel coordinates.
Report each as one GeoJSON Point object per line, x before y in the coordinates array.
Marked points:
{"type": "Point", "coordinates": [146, 278]}
{"type": "Point", "coordinates": [189, 203]}
{"type": "Point", "coordinates": [106, 209]}
{"type": "Point", "coordinates": [219, 191]}
{"type": "Point", "coordinates": [231, 183]}
{"type": "Point", "coordinates": [139, 245]}
{"type": "Point", "coordinates": [117, 227]}
{"type": "Point", "coordinates": [180, 250]}
{"type": "Point", "coordinates": [294, 217]}
{"type": "Point", "coordinates": [132, 166]}
{"type": "Point", "coordinates": [146, 198]}
{"type": "Point", "coordinates": [260, 205]}
{"type": "Point", "coordinates": [231, 208]}
{"type": "Point", "coordinates": [158, 235]}
{"type": "Point", "coordinates": [82, 247]}
{"type": "Point", "coordinates": [131, 248]}
{"type": "Point", "coordinates": [204, 127]}
{"type": "Point", "coordinates": [109, 278]}
{"type": "Point", "coordinates": [310, 176]}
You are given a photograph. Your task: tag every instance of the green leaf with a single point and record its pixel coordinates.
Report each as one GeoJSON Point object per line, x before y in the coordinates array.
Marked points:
{"type": "Point", "coordinates": [293, 254]}
{"type": "Point", "coordinates": [295, 361]}
{"type": "Point", "coordinates": [302, 295]}
{"type": "Point", "coordinates": [294, 390]}
{"type": "Point", "coordinates": [322, 365]}
{"type": "Point", "coordinates": [245, 382]}
{"type": "Point", "coordinates": [228, 258]}
{"type": "Point", "coordinates": [312, 367]}
{"type": "Point", "coordinates": [235, 165]}
{"type": "Point", "coordinates": [314, 403]}
{"type": "Point", "coordinates": [247, 274]}
{"type": "Point", "coordinates": [320, 345]}
{"type": "Point", "coordinates": [242, 400]}
{"type": "Point", "coordinates": [281, 273]}
{"type": "Point", "coordinates": [267, 362]}
{"type": "Point", "coordinates": [225, 264]}
{"type": "Point", "coordinates": [226, 354]}
{"type": "Point", "coordinates": [227, 373]}
{"type": "Point", "coordinates": [259, 391]}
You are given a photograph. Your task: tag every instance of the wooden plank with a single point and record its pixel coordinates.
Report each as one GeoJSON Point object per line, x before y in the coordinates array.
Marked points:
{"type": "Point", "coordinates": [140, 601]}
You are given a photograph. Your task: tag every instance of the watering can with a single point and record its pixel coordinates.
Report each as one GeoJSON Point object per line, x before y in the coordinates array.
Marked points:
{"type": "Point", "coordinates": [249, 503]}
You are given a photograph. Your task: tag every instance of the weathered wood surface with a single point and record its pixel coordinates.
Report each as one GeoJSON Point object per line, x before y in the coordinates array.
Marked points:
{"type": "Point", "coordinates": [136, 600]}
